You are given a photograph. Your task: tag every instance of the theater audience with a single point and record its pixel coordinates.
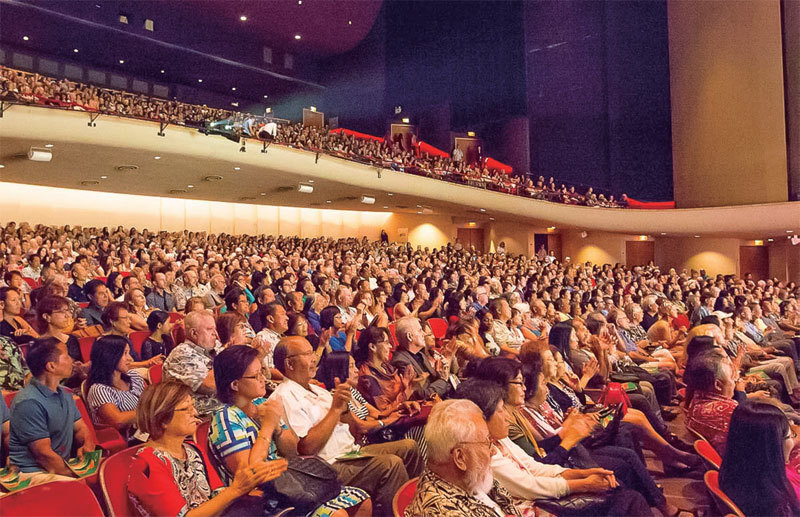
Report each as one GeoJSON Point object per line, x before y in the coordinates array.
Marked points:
{"type": "Point", "coordinates": [45, 422]}
{"type": "Point", "coordinates": [712, 378]}
{"type": "Point", "coordinates": [315, 416]}
{"type": "Point", "coordinates": [275, 324]}
{"type": "Point", "coordinates": [412, 351]}
{"type": "Point", "coordinates": [172, 476]}
{"type": "Point", "coordinates": [13, 325]}
{"type": "Point", "coordinates": [158, 297]}
{"type": "Point", "coordinates": [232, 330]}
{"type": "Point", "coordinates": [54, 318]}
{"type": "Point", "coordinates": [159, 342]}
{"type": "Point", "coordinates": [99, 298]}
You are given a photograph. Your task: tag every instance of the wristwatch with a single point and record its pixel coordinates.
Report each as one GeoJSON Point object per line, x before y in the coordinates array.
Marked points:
{"type": "Point", "coordinates": [380, 422]}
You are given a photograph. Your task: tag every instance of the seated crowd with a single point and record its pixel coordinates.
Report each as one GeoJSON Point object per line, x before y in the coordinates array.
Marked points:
{"type": "Point", "coordinates": [508, 385]}
{"type": "Point", "coordinates": [398, 154]}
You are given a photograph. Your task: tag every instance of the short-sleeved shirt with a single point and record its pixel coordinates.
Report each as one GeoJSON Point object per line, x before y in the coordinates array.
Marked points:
{"type": "Point", "coordinates": [127, 400]}
{"type": "Point", "coordinates": [267, 340]}
{"type": "Point", "coordinates": [93, 315]}
{"type": "Point", "coordinates": [305, 408]}
{"type": "Point", "coordinates": [190, 364]}
{"type": "Point", "coordinates": [37, 413]}
{"type": "Point", "coordinates": [5, 414]}
{"type": "Point", "coordinates": [233, 431]}
{"type": "Point", "coordinates": [13, 369]}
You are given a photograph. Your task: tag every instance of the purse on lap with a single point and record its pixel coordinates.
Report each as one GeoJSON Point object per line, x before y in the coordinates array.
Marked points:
{"type": "Point", "coordinates": [307, 483]}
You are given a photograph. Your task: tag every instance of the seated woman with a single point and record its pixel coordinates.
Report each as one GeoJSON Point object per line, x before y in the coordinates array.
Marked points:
{"type": "Point", "coordinates": [113, 389]}
{"type": "Point", "coordinates": [401, 307]}
{"type": "Point", "coordinates": [298, 326]}
{"type": "Point", "coordinates": [250, 429]}
{"type": "Point", "coordinates": [117, 321]}
{"type": "Point", "coordinates": [13, 325]}
{"type": "Point", "coordinates": [335, 336]}
{"type": "Point", "coordinates": [232, 329]}
{"type": "Point", "coordinates": [469, 343]}
{"type": "Point", "coordinates": [662, 330]}
{"type": "Point", "coordinates": [485, 326]}
{"type": "Point", "coordinates": [530, 481]}
{"type": "Point", "coordinates": [159, 342]}
{"type": "Point", "coordinates": [759, 469]}
{"type": "Point", "coordinates": [383, 385]}
{"type": "Point", "coordinates": [137, 308]}
{"type": "Point", "coordinates": [626, 462]}
{"type": "Point", "coordinates": [171, 476]}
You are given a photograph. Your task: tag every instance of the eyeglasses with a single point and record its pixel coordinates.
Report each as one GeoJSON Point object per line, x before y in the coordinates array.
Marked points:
{"type": "Point", "coordinates": [310, 352]}
{"type": "Point", "coordinates": [487, 441]}
{"type": "Point", "coordinates": [792, 434]}
{"type": "Point", "coordinates": [518, 383]}
{"type": "Point", "coordinates": [260, 375]}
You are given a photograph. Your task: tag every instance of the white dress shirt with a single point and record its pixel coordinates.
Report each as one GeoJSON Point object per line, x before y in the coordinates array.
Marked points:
{"type": "Point", "coordinates": [523, 476]}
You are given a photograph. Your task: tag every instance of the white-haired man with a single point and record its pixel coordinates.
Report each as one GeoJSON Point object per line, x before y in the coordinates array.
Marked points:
{"type": "Point", "coordinates": [458, 479]}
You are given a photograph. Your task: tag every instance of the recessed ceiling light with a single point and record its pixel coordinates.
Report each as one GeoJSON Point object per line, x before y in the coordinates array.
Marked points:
{"type": "Point", "coordinates": [121, 61]}
{"type": "Point", "coordinates": [789, 231]}
{"type": "Point", "coordinates": [389, 194]}
{"type": "Point", "coordinates": [770, 240]}
{"type": "Point", "coordinates": [385, 207]}
{"type": "Point", "coordinates": [2, 166]}
{"type": "Point", "coordinates": [189, 186]}
{"type": "Point", "coordinates": [297, 36]}
{"type": "Point", "coordinates": [419, 206]}
{"type": "Point", "coordinates": [75, 50]}
{"type": "Point", "coordinates": [237, 168]}
{"type": "Point", "coordinates": [163, 72]}
{"type": "Point", "coordinates": [243, 18]}
{"type": "Point", "coordinates": [263, 193]}
{"type": "Point", "coordinates": [103, 177]}
{"type": "Point", "coordinates": [311, 181]}
{"type": "Point", "coordinates": [328, 201]}
{"type": "Point", "coordinates": [349, 22]}
{"type": "Point", "coordinates": [491, 218]}
{"type": "Point", "coordinates": [199, 80]}
{"type": "Point", "coordinates": [266, 96]}
{"type": "Point", "coordinates": [696, 236]}
{"type": "Point", "coordinates": [48, 145]}
{"type": "Point", "coordinates": [483, 209]}
{"type": "Point", "coordinates": [663, 233]}
{"type": "Point", "coordinates": [156, 157]}
{"type": "Point", "coordinates": [25, 38]}
{"type": "Point", "coordinates": [299, 2]}
{"type": "Point", "coordinates": [233, 89]}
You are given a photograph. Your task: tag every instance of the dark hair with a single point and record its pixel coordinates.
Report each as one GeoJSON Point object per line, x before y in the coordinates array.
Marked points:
{"type": "Point", "coordinates": [229, 366]}
{"type": "Point", "coordinates": [594, 326]}
{"type": "Point", "coordinates": [106, 353]}
{"type": "Point", "coordinates": [753, 471]}
{"type": "Point", "coordinates": [530, 375]}
{"type": "Point", "coordinates": [43, 351]}
{"type": "Point", "coordinates": [49, 305]}
{"type": "Point", "coordinates": [559, 338]}
{"type": "Point", "coordinates": [701, 371]}
{"type": "Point", "coordinates": [5, 290]}
{"type": "Point", "coordinates": [156, 318]}
{"type": "Point", "coordinates": [499, 370]}
{"type": "Point", "coordinates": [334, 364]}
{"type": "Point", "coordinates": [279, 356]}
{"type": "Point", "coordinates": [294, 318]}
{"type": "Point", "coordinates": [711, 319]}
{"type": "Point", "coordinates": [327, 315]}
{"type": "Point", "coordinates": [226, 323]}
{"type": "Point", "coordinates": [369, 336]}
{"type": "Point", "coordinates": [698, 344]}
{"type": "Point", "coordinates": [232, 297]}
{"type": "Point", "coordinates": [485, 394]}
{"type": "Point", "coordinates": [90, 288]}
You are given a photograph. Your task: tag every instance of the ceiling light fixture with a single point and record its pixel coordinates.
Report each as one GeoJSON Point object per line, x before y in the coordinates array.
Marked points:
{"type": "Point", "coordinates": [483, 209]}
{"type": "Point", "coordinates": [663, 233]}
{"type": "Point", "coordinates": [2, 166]}
{"type": "Point", "coordinates": [121, 61]}
{"type": "Point", "coordinates": [103, 177]}
{"type": "Point", "coordinates": [297, 36]}
{"type": "Point", "coordinates": [789, 231]}
{"type": "Point", "coordinates": [349, 22]}
{"type": "Point", "coordinates": [305, 188]}
{"type": "Point", "coordinates": [329, 201]}
{"type": "Point", "coordinates": [770, 240]}
{"type": "Point", "coordinates": [696, 236]}
{"type": "Point", "coordinates": [233, 89]}
{"type": "Point", "coordinates": [385, 207]}
{"type": "Point", "coordinates": [368, 200]}
{"type": "Point", "coordinates": [49, 146]}
{"type": "Point", "coordinates": [299, 2]}
{"type": "Point", "coordinates": [243, 18]}
{"type": "Point", "coordinates": [189, 186]}
{"type": "Point", "coordinates": [263, 193]}
{"type": "Point", "coordinates": [75, 50]}
{"type": "Point", "coordinates": [25, 38]}
{"type": "Point", "coordinates": [266, 96]}
{"type": "Point", "coordinates": [163, 72]}
{"type": "Point", "coordinates": [199, 80]}
{"type": "Point", "coordinates": [389, 194]}
{"type": "Point", "coordinates": [237, 168]}
{"type": "Point", "coordinates": [406, 120]}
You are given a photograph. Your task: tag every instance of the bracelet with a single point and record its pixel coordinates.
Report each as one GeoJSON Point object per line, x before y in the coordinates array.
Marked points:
{"type": "Point", "coordinates": [380, 422]}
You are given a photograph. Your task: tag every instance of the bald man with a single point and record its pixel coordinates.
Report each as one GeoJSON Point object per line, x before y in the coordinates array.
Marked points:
{"type": "Point", "coordinates": [191, 362]}
{"type": "Point", "coordinates": [318, 418]}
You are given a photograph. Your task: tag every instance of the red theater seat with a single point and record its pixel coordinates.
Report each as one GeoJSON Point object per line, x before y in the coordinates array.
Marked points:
{"type": "Point", "coordinates": [708, 453]}
{"type": "Point", "coordinates": [438, 326]}
{"type": "Point", "coordinates": [86, 344]}
{"type": "Point", "coordinates": [724, 503]}
{"type": "Point", "coordinates": [114, 482]}
{"type": "Point", "coordinates": [107, 438]}
{"type": "Point", "coordinates": [137, 338]}
{"type": "Point", "coordinates": [156, 373]}
{"type": "Point", "coordinates": [55, 499]}
{"type": "Point", "coordinates": [403, 497]}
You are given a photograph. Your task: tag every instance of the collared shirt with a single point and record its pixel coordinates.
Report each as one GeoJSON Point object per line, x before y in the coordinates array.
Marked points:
{"type": "Point", "coordinates": [183, 294]}
{"type": "Point", "coordinates": [75, 292]}
{"type": "Point", "coordinates": [93, 315]}
{"type": "Point", "coordinates": [30, 272]}
{"type": "Point", "coordinates": [190, 364]}
{"type": "Point", "coordinates": [305, 408]}
{"type": "Point", "coordinates": [347, 314]}
{"type": "Point", "coordinates": [13, 369]}
{"type": "Point", "coordinates": [38, 413]}
{"type": "Point", "coordinates": [435, 497]}
{"type": "Point", "coordinates": [267, 340]}
{"type": "Point", "coordinates": [710, 415]}
{"type": "Point", "coordinates": [162, 301]}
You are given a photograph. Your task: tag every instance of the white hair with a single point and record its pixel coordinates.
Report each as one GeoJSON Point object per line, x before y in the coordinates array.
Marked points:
{"type": "Point", "coordinates": [450, 423]}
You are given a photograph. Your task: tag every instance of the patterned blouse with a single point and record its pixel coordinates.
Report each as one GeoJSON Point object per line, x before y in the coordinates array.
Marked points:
{"type": "Point", "coordinates": [435, 497]}
{"type": "Point", "coordinates": [123, 400]}
{"type": "Point", "coordinates": [190, 364]}
{"type": "Point", "coordinates": [13, 369]}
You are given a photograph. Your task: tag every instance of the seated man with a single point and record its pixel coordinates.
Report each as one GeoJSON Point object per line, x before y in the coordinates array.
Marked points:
{"type": "Point", "coordinates": [79, 278]}
{"type": "Point", "coordinates": [45, 420]}
{"type": "Point", "coordinates": [191, 362]}
{"type": "Point", "coordinates": [411, 350]}
{"type": "Point", "coordinates": [458, 480]}
{"type": "Point", "coordinates": [99, 297]}
{"type": "Point", "coordinates": [711, 377]}
{"type": "Point", "coordinates": [316, 417]}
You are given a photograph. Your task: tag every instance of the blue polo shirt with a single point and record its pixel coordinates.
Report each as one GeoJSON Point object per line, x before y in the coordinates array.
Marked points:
{"type": "Point", "coordinates": [36, 413]}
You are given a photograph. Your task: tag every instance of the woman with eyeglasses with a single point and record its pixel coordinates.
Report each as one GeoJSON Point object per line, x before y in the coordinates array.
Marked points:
{"type": "Point", "coordinates": [249, 428]}
{"type": "Point", "coordinates": [232, 329]}
{"type": "Point", "coordinates": [172, 476]}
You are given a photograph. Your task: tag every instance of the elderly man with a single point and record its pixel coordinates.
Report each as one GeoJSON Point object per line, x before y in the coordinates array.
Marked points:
{"type": "Point", "coordinates": [481, 298]}
{"type": "Point", "coordinates": [190, 289]}
{"type": "Point", "coordinates": [216, 295]}
{"type": "Point", "coordinates": [458, 480]}
{"type": "Point", "coordinates": [79, 277]}
{"type": "Point", "coordinates": [191, 362]}
{"type": "Point", "coordinates": [343, 298]}
{"type": "Point", "coordinates": [712, 377]}
{"type": "Point", "coordinates": [159, 298]}
{"type": "Point", "coordinates": [317, 417]}
{"type": "Point", "coordinates": [411, 351]}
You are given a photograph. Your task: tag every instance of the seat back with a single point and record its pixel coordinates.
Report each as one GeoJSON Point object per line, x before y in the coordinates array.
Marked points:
{"type": "Point", "coordinates": [438, 327]}
{"type": "Point", "coordinates": [31, 282]}
{"type": "Point", "coordinates": [114, 482]}
{"type": "Point", "coordinates": [402, 498]}
{"type": "Point", "coordinates": [137, 338]}
{"type": "Point", "coordinates": [724, 503]}
{"type": "Point", "coordinates": [54, 499]}
{"type": "Point", "coordinates": [393, 336]}
{"type": "Point", "coordinates": [390, 312]}
{"type": "Point", "coordinates": [201, 437]}
{"type": "Point", "coordinates": [9, 397]}
{"type": "Point", "coordinates": [697, 434]}
{"type": "Point", "coordinates": [175, 316]}
{"type": "Point", "coordinates": [156, 373]}
{"type": "Point", "coordinates": [708, 453]}
{"type": "Point", "coordinates": [86, 344]}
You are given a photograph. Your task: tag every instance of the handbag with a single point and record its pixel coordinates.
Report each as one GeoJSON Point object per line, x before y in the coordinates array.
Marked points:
{"type": "Point", "coordinates": [606, 435]}
{"type": "Point", "coordinates": [576, 504]}
{"type": "Point", "coordinates": [308, 482]}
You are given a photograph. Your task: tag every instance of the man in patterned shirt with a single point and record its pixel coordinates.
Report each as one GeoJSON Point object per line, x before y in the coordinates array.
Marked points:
{"type": "Point", "coordinates": [458, 481]}
{"type": "Point", "coordinates": [712, 377]}
{"type": "Point", "coordinates": [191, 362]}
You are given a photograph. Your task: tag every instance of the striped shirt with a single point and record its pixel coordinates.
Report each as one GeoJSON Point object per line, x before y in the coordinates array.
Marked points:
{"type": "Point", "coordinates": [124, 400]}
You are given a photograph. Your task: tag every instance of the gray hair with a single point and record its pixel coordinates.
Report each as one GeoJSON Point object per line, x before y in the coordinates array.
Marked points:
{"type": "Point", "coordinates": [451, 422]}
{"type": "Point", "coordinates": [402, 327]}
